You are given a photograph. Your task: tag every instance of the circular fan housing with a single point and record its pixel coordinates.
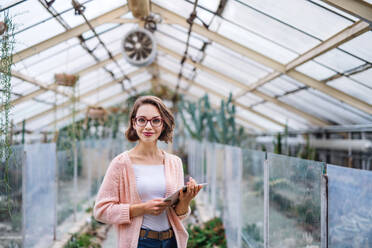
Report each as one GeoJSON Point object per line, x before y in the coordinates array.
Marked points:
{"type": "Point", "coordinates": [139, 47]}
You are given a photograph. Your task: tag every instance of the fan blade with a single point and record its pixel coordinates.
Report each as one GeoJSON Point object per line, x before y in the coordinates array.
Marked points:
{"type": "Point", "coordinates": [147, 42]}
{"type": "Point", "coordinates": [146, 51]}
{"type": "Point", "coordinates": [131, 55]}
{"type": "Point", "coordinates": [138, 55]}
{"type": "Point", "coordinates": [129, 49]}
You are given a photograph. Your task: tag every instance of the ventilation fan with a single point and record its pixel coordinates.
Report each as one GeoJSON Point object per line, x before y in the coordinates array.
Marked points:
{"type": "Point", "coordinates": [139, 47]}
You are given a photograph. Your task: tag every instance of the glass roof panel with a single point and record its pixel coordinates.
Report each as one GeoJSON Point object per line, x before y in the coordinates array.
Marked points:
{"type": "Point", "coordinates": [184, 9]}
{"type": "Point", "coordinates": [24, 88]}
{"type": "Point", "coordinates": [258, 120]}
{"type": "Point", "coordinates": [45, 54]}
{"type": "Point", "coordinates": [360, 46]}
{"type": "Point", "coordinates": [170, 34]}
{"type": "Point", "coordinates": [241, 72]}
{"type": "Point", "coordinates": [279, 86]}
{"type": "Point", "coordinates": [255, 42]}
{"type": "Point", "coordinates": [313, 103]}
{"type": "Point", "coordinates": [93, 9]}
{"type": "Point", "coordinates": [333, 9]}
{"type": "Point", "coordinates": [61, 61]}
{"type": "Point", "coordinates": [216, 50]}
{"type": "Point", "coordinates": [267, 27]}
{"type": "Point", "coordinates": [281, 116]}
{"type": "Point", "coordinates": [244, 64]}
{"type": "Point", "coordinates": [352, 88]}
{"type": "Point", "coordinates": [315, 70]}
{"type": "Point", "coordinates": [37, 34]}
{"type": "Point", "coordinates": [249, 99]}
{"type": "Point", "coordinates": [364, 77]}
{"type": "Point", "coordinates": [290, 117]}
{"type": "Point", "coordinates": [211, 5]}
{"type": "Point", "coordinates": [338, 60]}
{"type": "Point", "coordinates": [26, 110]}
{"type": "Point", "coordinates": [288, 12]}
{"type": "Point", "coordinates": [216, 84]}
{"type": "Point", "coordinates": [27, 14]}
{"type": "Point", "coordinates": [172, 80]}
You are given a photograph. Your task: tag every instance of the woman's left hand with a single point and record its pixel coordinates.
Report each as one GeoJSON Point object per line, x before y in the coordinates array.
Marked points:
{"type": "Point", "coordinates": [192, 190]}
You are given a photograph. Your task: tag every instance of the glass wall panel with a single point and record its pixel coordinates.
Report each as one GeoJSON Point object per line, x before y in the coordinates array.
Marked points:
{"type": "Point", "coordinates": [232, 200]}
{"type": "Point", "coordinates": [349, 207]}
{"type": "Point", "coordinates": [11, 199]}
{"type": "Point", "coordinates": [252, 193]}
{"type": "Point", "coordinates": [39, 195]}
{"type": "Point", "coordinates": [294, 201]}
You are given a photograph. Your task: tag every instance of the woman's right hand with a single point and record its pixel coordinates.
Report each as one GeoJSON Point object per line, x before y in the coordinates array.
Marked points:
{"type": "Point", "coordinates": [156, 206]}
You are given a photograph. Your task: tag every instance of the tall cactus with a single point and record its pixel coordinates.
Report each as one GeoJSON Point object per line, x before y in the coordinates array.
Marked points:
{"type": "Point", "coordinates": [198, 115]}
{"type": "Point", "coordinates": [224, 129]}
{"type": "Point", "coordinates": [221, 126]}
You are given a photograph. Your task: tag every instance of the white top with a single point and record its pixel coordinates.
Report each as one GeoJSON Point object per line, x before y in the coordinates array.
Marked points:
{"type": "Point", "coordinates": [150, 183]}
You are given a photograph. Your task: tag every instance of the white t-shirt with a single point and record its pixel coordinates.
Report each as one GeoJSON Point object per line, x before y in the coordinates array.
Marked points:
{"type": "Point", "coordinates": [150, 182]}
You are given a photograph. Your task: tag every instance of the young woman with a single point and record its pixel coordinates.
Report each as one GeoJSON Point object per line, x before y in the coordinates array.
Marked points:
{"type": "Point", "coordinates": [137, 181]}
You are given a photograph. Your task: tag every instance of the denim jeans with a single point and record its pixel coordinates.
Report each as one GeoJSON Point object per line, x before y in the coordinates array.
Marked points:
{"type": "Point", "coordinates": [156, 243]}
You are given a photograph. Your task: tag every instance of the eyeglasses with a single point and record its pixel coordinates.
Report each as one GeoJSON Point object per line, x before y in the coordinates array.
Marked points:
{"type": "Point", "coordinates": [142, 121]}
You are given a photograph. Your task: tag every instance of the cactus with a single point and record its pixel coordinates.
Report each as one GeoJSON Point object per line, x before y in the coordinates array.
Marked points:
{"type": "Point", "coordinates": [198, 115]}
{"type": "Point", "coordinates": [221, 126]}
{"type": "Point", "coordinates": [224, 130]}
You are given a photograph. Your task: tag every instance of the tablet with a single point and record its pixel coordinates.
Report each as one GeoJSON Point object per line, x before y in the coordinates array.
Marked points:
{"type": "Point", "coordinates": [174, 197]}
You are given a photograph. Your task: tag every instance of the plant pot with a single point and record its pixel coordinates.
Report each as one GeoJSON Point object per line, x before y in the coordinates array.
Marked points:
{"type": "Point", "coordinates": [65, 79]}
{"type": "Point", "coordinates": [114, 110]}
{"type": "Point", "coordinates": [96, 113]}
{"type": "Point", "coordinates": [3, 28]}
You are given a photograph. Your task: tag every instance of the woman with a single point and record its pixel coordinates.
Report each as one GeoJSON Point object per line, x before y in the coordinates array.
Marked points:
{"type": "Point", "coordinates": [137, 181]}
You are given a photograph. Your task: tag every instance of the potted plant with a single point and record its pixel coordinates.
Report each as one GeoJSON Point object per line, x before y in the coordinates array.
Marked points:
{"type": "Point", "coordinates": [3, 28]}
{"type": "Point", "coordinates": [65, 79]}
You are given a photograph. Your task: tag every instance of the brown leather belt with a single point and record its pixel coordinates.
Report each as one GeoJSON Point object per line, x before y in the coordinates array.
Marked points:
{"type": "Point", "coordinates": [157, 235]}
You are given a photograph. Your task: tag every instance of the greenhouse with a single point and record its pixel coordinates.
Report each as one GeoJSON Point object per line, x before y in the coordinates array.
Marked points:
{"type": "Point", "coordinates": [268, 102]}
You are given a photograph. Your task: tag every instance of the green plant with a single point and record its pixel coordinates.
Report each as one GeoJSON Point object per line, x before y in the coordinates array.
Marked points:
{"type": "Point", "coordinates": [278, 144]}
{"type": "Point", "coordinates": [307, 152]}
{"type": "Point", "coordinates": [253, 231]}
{"type": "Point", "coordinates": [82, 240]}
{"type": "Point", "coordinates": [6, 62]}
{"type": "Point", "coordinates": [198, 114]}
{"type": "Point", "coordinates": [206, 122]}
{"type": "Point", "coordinates": [210, 234]}
{"type": "Point", "coordinates": [224, 129]}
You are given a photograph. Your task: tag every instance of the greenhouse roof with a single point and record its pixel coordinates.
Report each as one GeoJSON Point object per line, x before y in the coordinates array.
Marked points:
{"type": "Point", "coordinates": [304, 63]}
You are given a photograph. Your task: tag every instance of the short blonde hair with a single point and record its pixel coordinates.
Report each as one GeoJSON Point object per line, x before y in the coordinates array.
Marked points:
{"type": "Point", "coordinates": [167, 116]}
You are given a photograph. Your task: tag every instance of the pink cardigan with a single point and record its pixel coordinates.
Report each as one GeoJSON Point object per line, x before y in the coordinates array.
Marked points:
{"type": "Point", "coordinates": [118, 191]}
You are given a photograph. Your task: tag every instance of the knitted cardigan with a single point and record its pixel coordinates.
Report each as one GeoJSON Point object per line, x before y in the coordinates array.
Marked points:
{"type": "Point", "coordinates": [118, 191]}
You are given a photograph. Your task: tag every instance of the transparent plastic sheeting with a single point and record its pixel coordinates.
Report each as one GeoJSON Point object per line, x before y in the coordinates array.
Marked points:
{"type": "Point", "coordinates": [40, 194]}
{"type": "Point", "coordinates": [236, 193]}
{"type": "Point", "coordinates": [93, 158]}
{"type": "Point", "coordinates": [11, 205]}
{"type": "Point", "coordinates": [51, 190]}
{"type": "Point", "coordinates": [232, 212]}
{"type": "Point", "coordinates": [252, 193]}
{"type": "Point", "coordinates": [349, 207]}
{"type": "Point", "coordinates": [294, 201]}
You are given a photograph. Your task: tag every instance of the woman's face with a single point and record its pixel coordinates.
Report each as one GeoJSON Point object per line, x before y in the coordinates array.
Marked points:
{"type": "Point", "coordinates": [148, 131]}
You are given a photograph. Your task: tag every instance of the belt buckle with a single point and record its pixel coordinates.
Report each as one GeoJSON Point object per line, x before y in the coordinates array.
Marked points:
{"type": "Point", "coordinates": [160, 235]}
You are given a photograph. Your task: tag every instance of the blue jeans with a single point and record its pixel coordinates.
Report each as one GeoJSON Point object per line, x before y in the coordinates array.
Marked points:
{"type": "Point", "coordinates": [156, 243]}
